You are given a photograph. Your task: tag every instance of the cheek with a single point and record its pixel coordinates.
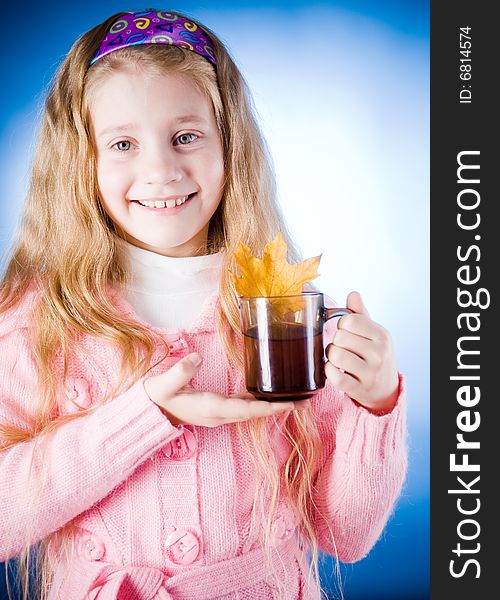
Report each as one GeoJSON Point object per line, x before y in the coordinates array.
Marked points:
{"type": "Point", "coordinates": [112, 183]}
{"type": "Point", "coordinates": [214, 172]}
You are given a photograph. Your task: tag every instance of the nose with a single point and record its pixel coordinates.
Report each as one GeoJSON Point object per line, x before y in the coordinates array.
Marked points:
{"type": "Point", "coordinates": [161, 166]}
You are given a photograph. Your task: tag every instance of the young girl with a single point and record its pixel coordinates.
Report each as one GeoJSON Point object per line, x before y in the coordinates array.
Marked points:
{"type": "Point", "coordinates": [133, 464]}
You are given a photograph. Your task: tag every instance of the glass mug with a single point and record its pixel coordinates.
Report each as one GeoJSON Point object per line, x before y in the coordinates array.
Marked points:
{"type": "Point", "coordinates": [283, 345]}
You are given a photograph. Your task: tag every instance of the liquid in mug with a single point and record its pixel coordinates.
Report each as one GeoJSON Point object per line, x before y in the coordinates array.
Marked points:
{"type": "Point", "coordinates": [284, 362]}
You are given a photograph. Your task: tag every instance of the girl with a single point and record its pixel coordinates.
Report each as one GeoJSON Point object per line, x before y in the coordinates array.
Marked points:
{"type": "Point", "coordinates": [133, 464]}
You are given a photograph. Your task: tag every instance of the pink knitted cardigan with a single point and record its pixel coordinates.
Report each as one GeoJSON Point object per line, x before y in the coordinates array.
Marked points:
{"type": "Point", "coordinates": [163, 512]}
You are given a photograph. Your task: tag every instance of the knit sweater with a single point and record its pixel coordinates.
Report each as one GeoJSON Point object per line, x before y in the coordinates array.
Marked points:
{"type": "Point", "coordinates": [163, 512]}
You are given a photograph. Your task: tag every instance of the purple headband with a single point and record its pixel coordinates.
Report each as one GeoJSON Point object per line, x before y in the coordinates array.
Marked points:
{"type": "Point", "coordinates": [155, 27]}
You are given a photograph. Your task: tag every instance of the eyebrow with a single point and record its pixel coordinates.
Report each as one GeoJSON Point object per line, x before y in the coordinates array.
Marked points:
{"type": "Point", "coordinates": [128, 126]}
{"type": "Point", "coordinates": [190, 119]}
{"type": "Point", "coordinates": [116, 129]}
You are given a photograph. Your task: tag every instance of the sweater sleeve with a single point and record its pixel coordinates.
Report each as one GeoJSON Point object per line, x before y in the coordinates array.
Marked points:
{"type": "Point", "coordinates": [364, 467]}
{"type": "Point", "coordinates": [49, 480]}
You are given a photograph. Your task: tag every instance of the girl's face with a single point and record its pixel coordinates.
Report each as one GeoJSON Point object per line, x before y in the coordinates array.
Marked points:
{"type": "Point", "coordinates": [159, 160]}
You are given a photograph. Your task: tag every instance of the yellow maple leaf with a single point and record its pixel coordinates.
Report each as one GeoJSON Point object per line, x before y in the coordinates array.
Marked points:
{"type": "Point", "coordinates": [272, 275]}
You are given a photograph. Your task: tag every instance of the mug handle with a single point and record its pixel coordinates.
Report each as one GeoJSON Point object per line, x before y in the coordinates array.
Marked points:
{"type": "Point", "coordinates": [329, 313]}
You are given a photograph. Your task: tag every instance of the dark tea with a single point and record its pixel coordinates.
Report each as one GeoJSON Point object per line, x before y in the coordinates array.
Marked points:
{"type": "Point", "coordinates": [284, 362]}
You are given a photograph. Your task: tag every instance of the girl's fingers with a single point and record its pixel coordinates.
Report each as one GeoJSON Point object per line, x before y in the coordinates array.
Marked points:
{"type": "Point", "coordinates": [355, 303]}
{"type": "Point", "coordinates": [182, 404]}
{"type": "Point", "coordinates": [162, 388]}
{"type": "Point", "coordinates": [215, 409]}
{"type": "Point", "coordinates": [242, 409]}
{"type": "Point", "coordinates": [342, 381]}
{"type": "Point", "coordinates": [346, 361]}
{"type": "Point", "coordinates": [365, 349]}
{"type": "Point", "coordinates": [243, 396]}
{"type": "Point", "coordinates": [180, 374]}
{"type": "Point", "coordinates": [361, 325]}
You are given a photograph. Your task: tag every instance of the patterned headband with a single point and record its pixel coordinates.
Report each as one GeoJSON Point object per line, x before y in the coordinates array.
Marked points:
{"type": "Point", "coordinates": [155, 27]}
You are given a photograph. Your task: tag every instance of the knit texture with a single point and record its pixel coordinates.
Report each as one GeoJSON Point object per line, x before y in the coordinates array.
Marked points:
{"type": "Point", "coordinates": [162, 511]}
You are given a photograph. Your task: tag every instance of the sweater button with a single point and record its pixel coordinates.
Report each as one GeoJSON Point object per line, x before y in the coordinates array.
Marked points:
{"type": "Point", "coordinates": [183, 447]}
{"type": "Point", "coordinates": [77, 395]}
{"type": "Point", "coordinates": [282, 529]}
{"type": "Point", "coordinates": [178, 346]}
{"type": "Point", "coordinates": [182, 547]}
{"type": "Point", "coordinates": [90, 546]}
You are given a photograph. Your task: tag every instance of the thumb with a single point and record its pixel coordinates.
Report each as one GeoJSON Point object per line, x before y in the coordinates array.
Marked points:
{"type": "Point", "coordinates": [179, 374]}
{"type": "Point", "coordinates": [356, 304]}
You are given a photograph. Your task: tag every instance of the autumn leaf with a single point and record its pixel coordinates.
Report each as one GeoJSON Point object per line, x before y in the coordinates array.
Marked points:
{"type": "Point", "coordinates": [272, 275]}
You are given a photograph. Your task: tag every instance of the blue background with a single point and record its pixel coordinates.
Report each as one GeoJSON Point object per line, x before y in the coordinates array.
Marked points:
{"type": "Point", "coordinates": [342, 91]}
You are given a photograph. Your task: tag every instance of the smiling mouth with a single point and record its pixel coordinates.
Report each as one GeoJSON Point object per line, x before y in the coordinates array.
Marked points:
{"type": "Point", "coordinates": [170, 203]}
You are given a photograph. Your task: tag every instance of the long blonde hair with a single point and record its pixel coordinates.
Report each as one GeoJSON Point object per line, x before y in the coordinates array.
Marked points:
{"type": "Point", "coordinates": [68, 248]}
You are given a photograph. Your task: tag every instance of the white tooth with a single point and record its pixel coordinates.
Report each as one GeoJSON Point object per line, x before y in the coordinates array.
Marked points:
{"type": "Point", "coordinates": [150, 203]}
{"type": "Point", "coordinates": [159, 204]}
{"type": "Point", "coordinates": [170, 203]}
{"type": "Point", "coordinates": [180, 201]}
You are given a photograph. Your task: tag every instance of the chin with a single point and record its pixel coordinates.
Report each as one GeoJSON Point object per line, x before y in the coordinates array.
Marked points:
{"type": "Point", "coordinates": [160, 246]}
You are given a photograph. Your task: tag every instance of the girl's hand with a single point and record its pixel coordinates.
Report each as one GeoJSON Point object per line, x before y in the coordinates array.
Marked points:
{"type": "Point", "coordinates": [361, 360]}
{"type": "Point", "coordinates": [190, 407]}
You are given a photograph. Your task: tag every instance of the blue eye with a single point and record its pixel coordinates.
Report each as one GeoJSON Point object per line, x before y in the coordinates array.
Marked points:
{"type": "Point", "coordinates": [186, 138]}
{"type": "Point", "coordinates": [123, 146]}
